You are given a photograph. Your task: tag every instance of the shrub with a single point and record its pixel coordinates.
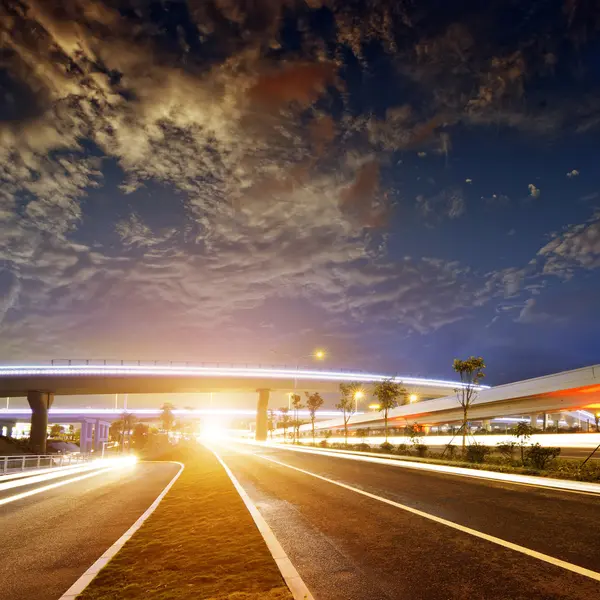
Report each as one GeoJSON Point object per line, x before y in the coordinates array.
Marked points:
{"type": "Point", "coordinates": [421, 450]}
{"type": "Point", "coordinates": [403, 449]}
{"type": "Point", "coordinates": [323, 443]}
{"type": "Point", "coordinates": [387, 447]}
{"type": "Point", "coordinates": [507, 449]}
{"type": "Point", "coordinates": [539, 457]}
{"type": "Point", "coordinates": [451, 451]}
{"type": "Point", "coordinates": [363, 447]}
{"type": "Point", "coordinates": [476, 453]}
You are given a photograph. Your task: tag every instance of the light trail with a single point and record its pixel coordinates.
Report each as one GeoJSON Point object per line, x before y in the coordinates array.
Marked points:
{"type": "Point", "coordinates": [282, 373]}
{"type": "Point", "coordinates": [52, 486]}
{"type": "Point", "coordinates": [58, 472]}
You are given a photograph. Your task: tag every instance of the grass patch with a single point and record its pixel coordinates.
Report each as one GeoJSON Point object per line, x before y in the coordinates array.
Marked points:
{"type": "Point", "coordinates": [200, 543]}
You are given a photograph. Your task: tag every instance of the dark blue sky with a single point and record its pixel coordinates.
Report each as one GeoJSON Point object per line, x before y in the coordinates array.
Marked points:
{"type": "Point", "coordinates": [247, 181]}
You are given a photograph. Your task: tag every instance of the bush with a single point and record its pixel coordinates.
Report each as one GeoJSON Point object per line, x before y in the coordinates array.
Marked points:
{"type": "Point", "coordinates": [403, 449]}
{"type": "Point", "coordinates": [387, 447]}
{"type": "Point", "coordinates": [363, 447]}
{"type": "Point", "coordinates": [323, 443]}
{"type": "Point", "coordinates": [507, 449]}
{"type": "Point", "coordinates": [421, 450]}
{"type": "Point", "coordinates": [451, 451]}
{"type": "Point", "coordinates": [539, 457]}
{"type": "Point", "coordinates": [476, 453]}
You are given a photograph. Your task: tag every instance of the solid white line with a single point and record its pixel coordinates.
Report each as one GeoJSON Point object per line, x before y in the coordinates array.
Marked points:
{"type": "Point", "coordinates": [513, 478]}
{"type": "Point", "coordinates": [91, 573]}
{"type": "Point", "coordinates": [288, 571]}
{"type": "Point", "coordinates": [45, 488]}
{"type": "Point", "coordinates": [484, 536]}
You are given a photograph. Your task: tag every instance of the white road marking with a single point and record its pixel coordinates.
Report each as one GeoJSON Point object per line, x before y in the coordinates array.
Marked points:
{"type": "Point", "coordinates": [91, 573]}
{"type": "Point", "coordinates": [484, 536]}
{"type": "Point", "coordinates": [289, 573]}
{"type": "Point", "coordinates": [548, 483]}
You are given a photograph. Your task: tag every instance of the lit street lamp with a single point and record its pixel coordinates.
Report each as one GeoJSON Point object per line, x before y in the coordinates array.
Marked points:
{"type": "Point", "coordinates": [357, 396]}
{"type": "Point", "coordinates": [318, 354]}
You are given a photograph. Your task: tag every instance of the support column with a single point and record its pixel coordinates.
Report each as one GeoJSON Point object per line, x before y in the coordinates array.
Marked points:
{"type": "Point", "coordinates": [100, 435]}
{"type": "Point", "coordinates": [39, 402]}
{"type": "Point", "coordinates": [261, 415]}
{"type": "Point", "coordinates": [85, 437]}
{"type": "Point", "coordinates": [487, 424]}
{"type": "Point", "coordinates": [533, 420]}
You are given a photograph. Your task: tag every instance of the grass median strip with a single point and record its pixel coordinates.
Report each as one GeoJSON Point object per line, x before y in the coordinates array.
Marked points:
{"type": "Point", "coordinates": [200, 543]}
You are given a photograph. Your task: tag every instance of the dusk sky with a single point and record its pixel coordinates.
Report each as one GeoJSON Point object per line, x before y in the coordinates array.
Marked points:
{"type": "Point", "coordinates": [401, 183]}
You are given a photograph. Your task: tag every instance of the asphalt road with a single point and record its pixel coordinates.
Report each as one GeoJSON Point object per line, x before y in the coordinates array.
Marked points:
{"type": "Point", "coordinates": [49, 539]}
{"type": "Point", "coordinates": [350, 547]}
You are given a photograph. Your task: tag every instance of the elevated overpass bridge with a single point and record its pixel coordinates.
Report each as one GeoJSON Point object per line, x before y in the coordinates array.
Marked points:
{"type": "Point", "coordinates": [568, 391]}
{"type": "Point", "coordinates": [41, 383]}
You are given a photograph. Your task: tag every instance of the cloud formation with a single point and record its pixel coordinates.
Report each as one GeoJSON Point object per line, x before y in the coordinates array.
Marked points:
{"type": "Point", "coordinates": [271, 174]}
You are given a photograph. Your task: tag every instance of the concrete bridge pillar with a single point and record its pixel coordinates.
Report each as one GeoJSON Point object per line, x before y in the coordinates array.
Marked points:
{"type": "Point", "coordinates": [39, 402]}
{"type": "Point", "coordinates": [533, 420]}
{"type": "Point", "coordinates": [86, 436]}
{"type": "Point", "coordinates": [261, 415]}
{"type": "Point", "coordinates": [100, 435]}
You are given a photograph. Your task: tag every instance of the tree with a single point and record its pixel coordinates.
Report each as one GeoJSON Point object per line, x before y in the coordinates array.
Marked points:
{"type": "Point", "coordinates": [71, 433]}
{"type": "Point", "coordinates": [471, 373]}
{"type": "Point", "coordinates": [597, 421]}
{"type": "Point", "coordinates": [313, 403]}
{"type": "Point", "coordinates": [167, 418]}
{"type": "Point", "coordinates": [56, 430]}
{"type": "Point", "coordinates": [140, 435]}
{"type": "Point", "coordinates": [523, 432]}
{"type": "Point", "coordinates": [271, 422]}
{"type": "Point", "coordinates": [128, 421]}
{"type": "Point", "coordinates": [347, 403]}
{"type": "Point", "coordinates": [387, 393]}
{"type": "Point", "coordinates": [296, 405]}
{"type": "Point", "coordinates": [285, 421]}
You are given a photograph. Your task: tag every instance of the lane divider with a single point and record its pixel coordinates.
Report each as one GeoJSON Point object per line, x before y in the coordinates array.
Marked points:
{"type": "Point", "coordinates": [475, 533]}
{"type": "Point", "coordinates": [91, 573]}
{"type": "Point", "coordinates": [564, 485]}
{"type": "Point", "coordinates": [289, 573]}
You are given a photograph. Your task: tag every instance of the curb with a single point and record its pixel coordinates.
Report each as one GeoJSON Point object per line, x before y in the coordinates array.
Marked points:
{"type": "Point", "coordinates": [291, 577]}
{"type": "Point", "coordinates": [91, 573]}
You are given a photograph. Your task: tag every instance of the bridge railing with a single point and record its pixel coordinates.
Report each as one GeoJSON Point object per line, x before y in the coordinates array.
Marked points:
{"type": "Point", "coordinates": [27, 462]}
{"type": "Point", "coordinates": [109, 362]}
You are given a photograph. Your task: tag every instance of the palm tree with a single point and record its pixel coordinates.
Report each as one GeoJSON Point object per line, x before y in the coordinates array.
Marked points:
{"type": "Point", "coordinates": [285, 421]}
{"type": "Point", "coordinates": [128, 420]}
{"type": "Point", "coordinates": [387, 393]}
{"type": "Point", "coordinates": [313, 403]}
{"type": "Point", "coordinates": [297, 405]}
{"type": "Point", "coordinates": [167, 418]}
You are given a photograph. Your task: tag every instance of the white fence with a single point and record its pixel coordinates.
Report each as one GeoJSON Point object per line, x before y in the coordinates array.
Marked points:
{"type": "Point", "coordinates": [26, 462]}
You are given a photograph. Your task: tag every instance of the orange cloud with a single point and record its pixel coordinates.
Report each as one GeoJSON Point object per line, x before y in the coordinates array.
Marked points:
{"type": "Point", "coordinates": [300, 84]}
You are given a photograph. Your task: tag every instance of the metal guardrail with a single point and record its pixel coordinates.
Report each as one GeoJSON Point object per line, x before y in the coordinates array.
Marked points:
{"type": "Point", "coordinates": [26, 462]}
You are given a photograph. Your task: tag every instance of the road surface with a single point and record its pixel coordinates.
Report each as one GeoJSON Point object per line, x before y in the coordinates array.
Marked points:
{"type": "Point", "coordinates": [51, 538]}
{"type": "Point", "coordinates": [347, 546]}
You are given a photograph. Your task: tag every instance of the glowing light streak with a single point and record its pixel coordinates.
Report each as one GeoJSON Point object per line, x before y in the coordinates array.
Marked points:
{"type": "Point", "coordinates": [250, 372]}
